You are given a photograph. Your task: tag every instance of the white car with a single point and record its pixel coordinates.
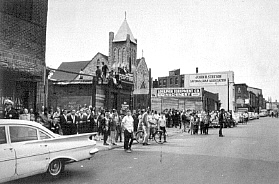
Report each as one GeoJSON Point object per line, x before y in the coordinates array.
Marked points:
{"type": "Point", "coordinates": [27, 148]}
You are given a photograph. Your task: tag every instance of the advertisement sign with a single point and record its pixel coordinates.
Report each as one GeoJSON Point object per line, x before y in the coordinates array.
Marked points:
{"type": "Point", "coordinates": [178, 92]}
{"type": "Point", "coordinates": [126, 77]}
{"type": "Point", "coordinates": [74, 102]}
{"type": "Point", "coordinates": [218, 79]}
{"type": "Point", "coordinates": [21, 62]}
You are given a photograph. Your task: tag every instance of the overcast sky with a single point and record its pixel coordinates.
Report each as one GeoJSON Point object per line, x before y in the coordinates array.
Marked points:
{"type": "Point", "coordinates": [214, 35]}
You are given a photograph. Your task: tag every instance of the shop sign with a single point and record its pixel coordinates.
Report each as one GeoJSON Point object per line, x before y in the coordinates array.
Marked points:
{"type": "Point", "coordinates": [179, 92]}
{"type": "Point", "coordinates": [217, 79]}
{"type": "Point", "coordinates": [126, 77]}
{"type": "Point", "coordinates": [21, 62]}
{"type": "Point", "coordinates": [74, 102]}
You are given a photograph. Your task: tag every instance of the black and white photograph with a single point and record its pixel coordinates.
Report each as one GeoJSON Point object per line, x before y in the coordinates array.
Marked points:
{"type": "Point", "coordinates": [139, 91]}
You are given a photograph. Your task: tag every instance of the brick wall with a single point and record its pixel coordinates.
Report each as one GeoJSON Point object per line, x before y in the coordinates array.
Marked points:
{"type": "Point", "coordinates": [22, 40]}
{"type": "Point", "coordinates": [21, 33]}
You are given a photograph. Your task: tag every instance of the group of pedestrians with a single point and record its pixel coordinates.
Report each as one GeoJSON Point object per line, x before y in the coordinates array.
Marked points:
{"type": "Point", "coordinates": [110, 125]}
{"type": "Point", "coordinates": [192, 121]}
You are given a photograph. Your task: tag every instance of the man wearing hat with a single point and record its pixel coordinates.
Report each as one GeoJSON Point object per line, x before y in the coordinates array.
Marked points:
{"type": "Point", "coordinates": [10, 112]}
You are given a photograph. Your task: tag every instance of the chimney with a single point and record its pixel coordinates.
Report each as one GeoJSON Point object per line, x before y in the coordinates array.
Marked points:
{"type": "Point", "coordinates": [197, 70]}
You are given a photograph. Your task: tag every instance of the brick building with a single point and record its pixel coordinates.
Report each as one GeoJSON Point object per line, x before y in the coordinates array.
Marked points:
{"type": "Point", "coordinates": [249, 98]}
{"type": "Point", "coordinates": [173, 80]}
{"type": "Point", "coordinates": [22, 52]}
{"type": "Point", "coordinates": [122, 56]}
{"type": "Point", "coordinates": [216, 82]}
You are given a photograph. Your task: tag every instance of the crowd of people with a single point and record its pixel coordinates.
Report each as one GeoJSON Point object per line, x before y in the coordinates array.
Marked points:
{"type": "Point", "coordinates": [109, 125]}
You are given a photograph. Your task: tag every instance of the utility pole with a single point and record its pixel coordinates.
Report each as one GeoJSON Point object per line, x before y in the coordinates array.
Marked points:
{"type": "Point", "coordinates": [228, 94]}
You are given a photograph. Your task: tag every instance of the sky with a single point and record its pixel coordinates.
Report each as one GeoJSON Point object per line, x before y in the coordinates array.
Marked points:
{"type": "Point", "coordinates": [214, 35]}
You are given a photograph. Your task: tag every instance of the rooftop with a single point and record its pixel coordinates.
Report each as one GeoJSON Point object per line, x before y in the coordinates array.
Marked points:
{"type": "Point", "coordinates": [122, 33]}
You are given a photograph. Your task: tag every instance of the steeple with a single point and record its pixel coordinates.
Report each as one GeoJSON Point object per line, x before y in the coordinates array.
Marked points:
{"type": "Point", "coordinates": [123, 31]}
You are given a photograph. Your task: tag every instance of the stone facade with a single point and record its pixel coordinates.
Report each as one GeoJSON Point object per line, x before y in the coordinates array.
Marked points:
{"type": "Point", "coordinates": [122, 54]}
{"type": "Point", "coordinates": [92, 66]}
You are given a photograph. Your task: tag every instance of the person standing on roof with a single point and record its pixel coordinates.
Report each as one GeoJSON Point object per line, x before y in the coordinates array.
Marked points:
{"type": "Point", "coordinates": [104, 70]}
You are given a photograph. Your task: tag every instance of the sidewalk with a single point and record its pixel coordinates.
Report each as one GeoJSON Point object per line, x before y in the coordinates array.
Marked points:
{"type": "Point", "coordinates": [101, 147]}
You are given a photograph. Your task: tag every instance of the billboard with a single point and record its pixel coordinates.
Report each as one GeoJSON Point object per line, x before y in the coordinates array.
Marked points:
{"type": "Point", "coordinates": [177, 92]}
{"type": "Point", "coordinates": [212, 79]}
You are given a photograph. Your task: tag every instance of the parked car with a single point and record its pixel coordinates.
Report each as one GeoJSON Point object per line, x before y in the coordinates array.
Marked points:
{"type": "Point", "coordinates": [256, 115]}
{"type": "Point", "coordinates": [238, 117]}
{"type": "Point", "coordinates": [27, 148]}
{"type": "Point", "coordinates": [262, 114]}
{"type": "Point", "coordinates": [251, 115]}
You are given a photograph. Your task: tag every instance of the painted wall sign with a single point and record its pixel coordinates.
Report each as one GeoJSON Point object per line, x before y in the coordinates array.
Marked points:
{"type": "Point", "coordinates": [128, 77]}
{"type": "Point", "coordinates": [178, 92]}
{"type": "Point", "coordinates": [208, 79]}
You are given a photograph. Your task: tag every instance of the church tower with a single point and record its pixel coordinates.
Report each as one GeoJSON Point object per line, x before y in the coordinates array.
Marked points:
{"type": "Point", "coordinates": [122, 49]}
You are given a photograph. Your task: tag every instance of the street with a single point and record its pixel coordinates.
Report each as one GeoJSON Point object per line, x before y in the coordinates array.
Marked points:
{"type": "Point", "coordinates": [247, 154]}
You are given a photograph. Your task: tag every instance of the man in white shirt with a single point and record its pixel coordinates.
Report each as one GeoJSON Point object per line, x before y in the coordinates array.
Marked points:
{"type": "Point", "coordinates": [146, 126]}
{"type": "Point", "coordinates": [128, 127]}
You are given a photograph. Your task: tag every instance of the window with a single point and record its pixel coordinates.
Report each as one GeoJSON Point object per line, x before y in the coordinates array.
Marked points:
{"type": "Point", "coordinates": [182, 81]}
{"type": "Point", "coordinates": [239, 90]}
{"type": "Point", "coordinates": [160, 82]}
{"type": "Point", "coordinates": [123, 55]}
{"type": "Point", "coordinates": [23, 133]}
{"type": "Point", "coordinates": [98, 62]}
{"type": "Point", "coordinates": [115, 55]}
{"type": "Point", "coordinates": [164, 82]}
{"type": "Point", "coordinates": [43, 135]}
{"type": "Point", "coordinates": [170, 81]}
{"type": "Point", "coordinates": [3, 139]}
{"type": "Point", "coordinates": [176, 80]}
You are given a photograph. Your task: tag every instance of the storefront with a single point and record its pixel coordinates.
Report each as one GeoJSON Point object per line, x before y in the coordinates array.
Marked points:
{"type": "Point", "coordinates": [183, 98]}
{"type": "Point", "coordinates": [75, 94]}
{"type": "Point", "coordinates": [21, 81]}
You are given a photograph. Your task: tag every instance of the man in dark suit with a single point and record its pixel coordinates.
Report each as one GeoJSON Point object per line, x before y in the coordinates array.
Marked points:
{"type": "Point", "coordinates": [82, 128]}
{"type": "Point", "coordinates": [72, 121]}
{"type": "Point", "coordinates": [222, 120]}
{"type": "Point", "coordinates": [63, 122]}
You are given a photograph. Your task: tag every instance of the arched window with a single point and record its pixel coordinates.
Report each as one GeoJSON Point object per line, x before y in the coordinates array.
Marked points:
{"type": "Point", "coordinates": [120, 56]}
{"type": "Point", "coordinates": [98, 62]}
{"type": "Point", "coordinates": [115, 59]}
{"type": "Point", "coordinates": [123, 55]}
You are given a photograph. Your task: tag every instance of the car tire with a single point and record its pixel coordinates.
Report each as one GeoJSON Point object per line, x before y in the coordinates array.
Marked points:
{"type": "Point", "coordinates": [55, 168]}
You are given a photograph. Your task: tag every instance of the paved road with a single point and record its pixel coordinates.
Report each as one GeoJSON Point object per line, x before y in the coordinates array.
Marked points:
{"type": "Point", "coordinates": [247, 154]}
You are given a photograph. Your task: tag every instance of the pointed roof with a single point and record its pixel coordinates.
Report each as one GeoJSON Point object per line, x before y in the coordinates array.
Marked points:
{"type": "Point", "coordinates": [74, 67]}
{"type": "Point", "coordinates": [122, 33]}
